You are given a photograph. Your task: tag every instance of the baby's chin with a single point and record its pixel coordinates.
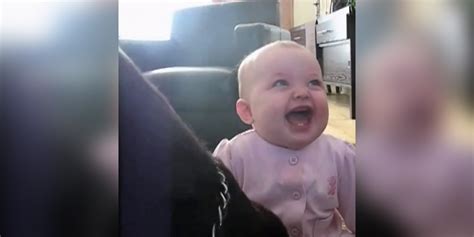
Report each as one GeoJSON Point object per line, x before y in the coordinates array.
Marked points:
{"type": "Point", "coordinates": [295, 143]}
{"type": "Point", "coordinates": [288, 139]}
{"type": "Point", "coordinates": [299, 144]}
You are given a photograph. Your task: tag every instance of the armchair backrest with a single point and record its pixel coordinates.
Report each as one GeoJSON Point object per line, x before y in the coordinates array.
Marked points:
{"type": "Point", "coordinates": [205, 34]}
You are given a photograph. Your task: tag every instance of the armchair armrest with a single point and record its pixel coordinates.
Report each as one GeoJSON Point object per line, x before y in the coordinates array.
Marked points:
{"type": "Point", "coordinates": [249, 37]}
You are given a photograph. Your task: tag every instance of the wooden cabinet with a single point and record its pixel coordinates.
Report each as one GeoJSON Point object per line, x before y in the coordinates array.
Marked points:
{"type": "Point", "coordinates": [305, 35]}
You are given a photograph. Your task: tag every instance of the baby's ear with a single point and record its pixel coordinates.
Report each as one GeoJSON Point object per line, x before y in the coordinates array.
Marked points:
{"type": "Point", "coordinates": [243, 110]}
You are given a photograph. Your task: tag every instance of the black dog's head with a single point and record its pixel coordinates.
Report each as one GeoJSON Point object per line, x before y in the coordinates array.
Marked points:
{"type": "Point", "coordinates": [168, 180]}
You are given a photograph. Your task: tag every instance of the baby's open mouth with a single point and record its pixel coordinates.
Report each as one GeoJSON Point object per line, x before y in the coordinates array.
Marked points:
{"type": "Point", "coordinates": [299, 116]}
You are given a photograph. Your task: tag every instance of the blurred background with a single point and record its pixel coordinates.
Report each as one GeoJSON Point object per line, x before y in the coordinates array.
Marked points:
{"type": "Point", "coordinates": [415, 125]}
{"type": "Point", "coordinates": [58, 115]}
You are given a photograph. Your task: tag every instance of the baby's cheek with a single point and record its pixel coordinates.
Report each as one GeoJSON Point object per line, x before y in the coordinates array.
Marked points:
{"type": "Point", "coordinates": [321, 104]}
{"type": "Point", "coordinates": [273, 107]}
{"type": "Point", "coordinates": [319, 95]}
{"type": "Point", "coordinates": [322, 114]}
{"type": "Point", "coordinates": [265, 112]}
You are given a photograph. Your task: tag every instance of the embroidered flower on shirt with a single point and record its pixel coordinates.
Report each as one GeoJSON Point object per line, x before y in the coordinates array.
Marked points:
{"type": "Point", "coordinates": [332, 184]}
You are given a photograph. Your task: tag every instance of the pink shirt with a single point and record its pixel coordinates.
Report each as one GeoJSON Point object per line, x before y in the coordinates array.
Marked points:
{"type": "Point", "coordinates": [305, 188]}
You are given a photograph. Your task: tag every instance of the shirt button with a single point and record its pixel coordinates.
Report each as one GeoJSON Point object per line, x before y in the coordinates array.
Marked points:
{"type": "Point", "coordinates": [293, 160]}
{"type": "Point", "coordinates": [296, 195]}
{"type": "Point", "coordinates": [294, 232]}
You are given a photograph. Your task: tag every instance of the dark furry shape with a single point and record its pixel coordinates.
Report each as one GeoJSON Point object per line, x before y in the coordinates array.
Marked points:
{"type": "Point", "coordinates": [373, 220]}
{"type": "Point", "coordinates": [169, 185]}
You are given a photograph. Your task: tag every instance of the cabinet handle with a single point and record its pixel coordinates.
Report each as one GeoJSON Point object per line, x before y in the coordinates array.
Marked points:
{"type": "Point", "coordinates": [324, 32]}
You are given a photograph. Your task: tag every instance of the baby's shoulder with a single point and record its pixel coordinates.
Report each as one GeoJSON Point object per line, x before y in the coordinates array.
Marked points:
{"type": "Point", "coordinates": [244, 139]}
{"type": "Point", "coordinates": [334, 149]}
{"type": "Point", "coordinates": [333, 144]}
{"type": "Point", "coordinates": [339, 152]}
{"type": "Point", "coordinates": [239, 142]}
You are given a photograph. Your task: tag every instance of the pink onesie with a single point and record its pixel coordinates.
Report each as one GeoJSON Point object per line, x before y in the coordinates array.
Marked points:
{"type": "Point", "coordinates": [306, 188]}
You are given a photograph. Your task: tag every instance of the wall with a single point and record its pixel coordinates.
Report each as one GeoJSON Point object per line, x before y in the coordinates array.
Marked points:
{"type": "Point", "coordinates": [303, 11]}
{"type": "Point", "coordinates": [325, 7]}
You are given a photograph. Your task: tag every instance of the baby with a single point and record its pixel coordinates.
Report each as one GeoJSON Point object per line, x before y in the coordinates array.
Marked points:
{"type": "Point", "coordinates": [285, 162]}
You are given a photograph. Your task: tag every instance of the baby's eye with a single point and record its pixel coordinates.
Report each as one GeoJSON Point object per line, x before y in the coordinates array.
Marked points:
{"type": "Point", "coordinates": [315, 83]}
{"type": "Point", "coordinates": [280, 83]}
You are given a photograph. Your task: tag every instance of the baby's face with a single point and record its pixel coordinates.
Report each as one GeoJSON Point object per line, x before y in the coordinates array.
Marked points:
{"type": "Point", "coordinates": [287, 99]}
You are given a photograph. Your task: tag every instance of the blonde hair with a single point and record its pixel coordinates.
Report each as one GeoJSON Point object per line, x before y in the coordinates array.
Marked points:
{"type": "Point", "coordinates": [246, 63]}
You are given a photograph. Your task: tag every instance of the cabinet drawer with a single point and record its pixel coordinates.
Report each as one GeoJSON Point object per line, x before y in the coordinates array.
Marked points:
{"type": "Point", "coordinates": [298, 34]}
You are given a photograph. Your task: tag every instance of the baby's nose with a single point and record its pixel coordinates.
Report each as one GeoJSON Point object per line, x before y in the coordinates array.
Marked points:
{"type": "Point", "coordinates": [300, 93]}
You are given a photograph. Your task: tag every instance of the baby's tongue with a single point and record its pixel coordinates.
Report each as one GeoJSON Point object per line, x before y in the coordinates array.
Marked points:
{"type": "Point", "coordinates": [298, 118]}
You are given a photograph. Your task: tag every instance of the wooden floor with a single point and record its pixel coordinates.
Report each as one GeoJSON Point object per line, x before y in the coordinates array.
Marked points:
{"type": "Point", "coordinates": [340, 124]}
